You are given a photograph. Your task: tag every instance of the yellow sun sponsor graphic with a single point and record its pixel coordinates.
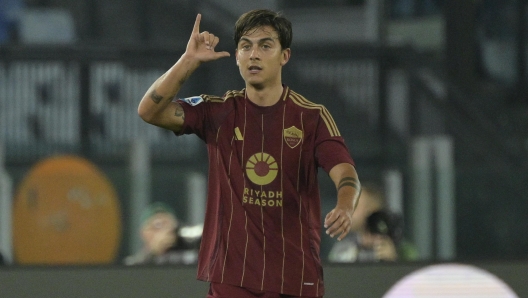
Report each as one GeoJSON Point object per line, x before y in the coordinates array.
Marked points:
{"type": "Point", "coordinates": [261, 168]}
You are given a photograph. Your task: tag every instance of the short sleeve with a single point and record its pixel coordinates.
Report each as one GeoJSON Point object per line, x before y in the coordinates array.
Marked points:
{"type": "Point", "coordinates": [195, 113]}
{"type": "Point", "coordinates": [330, 148]}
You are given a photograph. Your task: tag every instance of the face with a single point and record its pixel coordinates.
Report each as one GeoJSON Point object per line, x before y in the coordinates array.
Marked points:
{"type": "Point", "coordinates": [260, 57]}
{"type": "Point", "coordinates": [159, 233]}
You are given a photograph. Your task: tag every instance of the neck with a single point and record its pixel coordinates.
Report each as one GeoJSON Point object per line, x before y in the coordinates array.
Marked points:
{"type": "Point", "coordinates": [264, 96]}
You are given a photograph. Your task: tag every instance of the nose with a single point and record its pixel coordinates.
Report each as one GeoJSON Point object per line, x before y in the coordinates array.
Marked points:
{"type": "Point", "coordinates": [254, 54]}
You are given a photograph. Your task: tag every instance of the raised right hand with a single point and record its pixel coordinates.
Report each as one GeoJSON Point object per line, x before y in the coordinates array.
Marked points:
{"type": "Point", "coordinates": [201, 46]}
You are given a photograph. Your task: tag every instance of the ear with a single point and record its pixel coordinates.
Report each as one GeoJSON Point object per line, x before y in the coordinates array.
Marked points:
{"type": "Point", "coordinates": [286, 54]}
{"type": "Point", "coordinates": [236, 57]}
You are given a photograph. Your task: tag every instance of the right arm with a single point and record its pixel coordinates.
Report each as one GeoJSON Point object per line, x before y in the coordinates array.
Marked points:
{"type": "Point", "coordinates": [157, 106]}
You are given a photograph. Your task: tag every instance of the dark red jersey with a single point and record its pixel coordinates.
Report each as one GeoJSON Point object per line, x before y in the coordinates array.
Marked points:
{"type": "Point", "coordinates": [263, 219]}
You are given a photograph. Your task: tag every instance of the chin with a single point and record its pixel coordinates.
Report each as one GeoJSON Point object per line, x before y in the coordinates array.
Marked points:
{"type": "Point", "coordinates": [255, 83]}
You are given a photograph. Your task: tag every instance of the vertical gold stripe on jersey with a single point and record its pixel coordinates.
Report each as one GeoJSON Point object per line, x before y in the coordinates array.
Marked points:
{"type": "Point", "coordinates": [217, 147]}
{"type": "Point", "coordinates": [217, 163]}
{"type": "Point", "coordinates": [245, 214]}
{"type": "Point", "coordinates": [245, 251]}
{"type": "Point", "coordinates": [325, 114]}
{"type": "Point", "coordinates": [282, 208]}
{"type": "Point", "coordinates": [262, 216]}
{"type": "Point", "coordinates": [300, 203]}
{"type": "Point", "coordinates": [231, 217]}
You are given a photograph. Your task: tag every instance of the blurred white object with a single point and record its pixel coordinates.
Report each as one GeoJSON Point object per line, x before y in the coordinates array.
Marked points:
{"type": "Point", "coordinates": [192, 232]}
{"type": "Point", "coordinates": [46, 26]}
{"type": "Point", "coordinates": [451, 281]}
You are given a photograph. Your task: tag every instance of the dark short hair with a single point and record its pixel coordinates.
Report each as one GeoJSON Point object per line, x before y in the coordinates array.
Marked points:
{"type": "Point", "coordinates": [263, 17]}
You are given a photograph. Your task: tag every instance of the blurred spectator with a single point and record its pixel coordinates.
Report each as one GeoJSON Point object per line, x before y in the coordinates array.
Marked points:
{"type": "Point", "coordinates": [162, 241]}
{"type": "Point", "coordinates": [2, 262]}
{"type": "Point", "coordinates": [375, 232]}
{"type": "Point", "coordinates": [10, 11]}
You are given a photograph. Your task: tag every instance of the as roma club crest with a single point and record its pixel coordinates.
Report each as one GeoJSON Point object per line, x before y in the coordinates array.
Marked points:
{"type": "Point", "coordinates": [293, 136]}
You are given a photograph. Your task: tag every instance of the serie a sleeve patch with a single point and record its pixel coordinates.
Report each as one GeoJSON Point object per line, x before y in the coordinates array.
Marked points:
{"type": "Point", "coordinates": [194, 100]}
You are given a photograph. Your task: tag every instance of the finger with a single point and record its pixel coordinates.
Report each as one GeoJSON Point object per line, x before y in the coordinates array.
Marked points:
{"type": "Point", "coordinates": [210, 40]}
{"type": "Point", "coordinates": [216, 40]}
{"type": "Point", "coordinates": [333, 216]}
{"type": "Point", "coordinates": [341, 231]}
{"type": "Point", "coordinates": [335, 227]}
{"type": "Point", "coordinates": [204, 37]}
{"type": "Point", "coordinates": [346, 230]}
{"type": "Point", "coordinates": [223, 54]}
{"type": "Point", "coordinates": [341, 226]}
{"type": "Point", "coordinates": [329, 219]}
{"type": "Point", "coordinates": [196, 28]}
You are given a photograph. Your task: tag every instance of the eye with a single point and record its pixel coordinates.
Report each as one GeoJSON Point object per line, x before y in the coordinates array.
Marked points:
{"type": "Point", "coordinates": [245, 47]}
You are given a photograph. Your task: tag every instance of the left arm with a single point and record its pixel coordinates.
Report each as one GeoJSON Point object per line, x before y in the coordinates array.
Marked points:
{"type": "Point", "coordinates": [348, 188]}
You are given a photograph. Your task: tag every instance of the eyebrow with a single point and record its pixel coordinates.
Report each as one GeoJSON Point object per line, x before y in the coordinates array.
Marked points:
{"type": "Point", "coordinates": [260, 40]}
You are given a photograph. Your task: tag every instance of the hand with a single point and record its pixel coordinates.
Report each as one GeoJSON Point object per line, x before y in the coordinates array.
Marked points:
{"type": "Point", "coordinates": [161, 241]}
{"type": "Point", "coordinates": [201, 45]}
{"type": "Point", "coordinates": [385, 249]}
{"type": "Point", "coordinates": [338, 222]}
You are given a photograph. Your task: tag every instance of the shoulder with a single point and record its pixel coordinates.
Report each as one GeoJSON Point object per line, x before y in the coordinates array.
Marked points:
{"type": "Point", "coordinates": [317, 112]}
{"type": "Point", "coordinates": [302, 102]}
{"type": "Point", "coordinates": [235, 94]}
{"type": "Point", "coordinates": [228, 97]}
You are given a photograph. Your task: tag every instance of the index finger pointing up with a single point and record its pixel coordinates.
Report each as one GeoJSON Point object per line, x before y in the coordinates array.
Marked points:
{"type": "Point", "coordinates": [196, 28]}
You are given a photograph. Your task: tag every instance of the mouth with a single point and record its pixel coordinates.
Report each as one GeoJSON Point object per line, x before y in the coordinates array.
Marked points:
{"type": "Point", "coordinates": [254, 69]}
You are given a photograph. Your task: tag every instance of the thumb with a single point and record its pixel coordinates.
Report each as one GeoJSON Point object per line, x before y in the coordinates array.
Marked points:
{"type": "Point", "coordinates": [222, 54]}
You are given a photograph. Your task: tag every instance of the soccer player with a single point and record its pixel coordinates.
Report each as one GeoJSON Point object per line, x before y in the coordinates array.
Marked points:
{"type": "Point", "coordinates": [265, 143]}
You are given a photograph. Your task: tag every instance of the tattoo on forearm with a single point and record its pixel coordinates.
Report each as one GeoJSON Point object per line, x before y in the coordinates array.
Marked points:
{"type": "Point", "coordinates": [348, 181]}
{"type": "Point", "coordinates": [179, 111]}
{"type": "Point", "coordinates": [155, 96]}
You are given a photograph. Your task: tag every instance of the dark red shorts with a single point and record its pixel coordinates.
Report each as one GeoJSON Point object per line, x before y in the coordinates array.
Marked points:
{"type": "Point", "coordinates": [218, 290]}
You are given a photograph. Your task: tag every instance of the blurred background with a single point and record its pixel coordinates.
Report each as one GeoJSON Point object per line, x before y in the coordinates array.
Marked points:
{"type": "Point", "coordinates": [430, 96]}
